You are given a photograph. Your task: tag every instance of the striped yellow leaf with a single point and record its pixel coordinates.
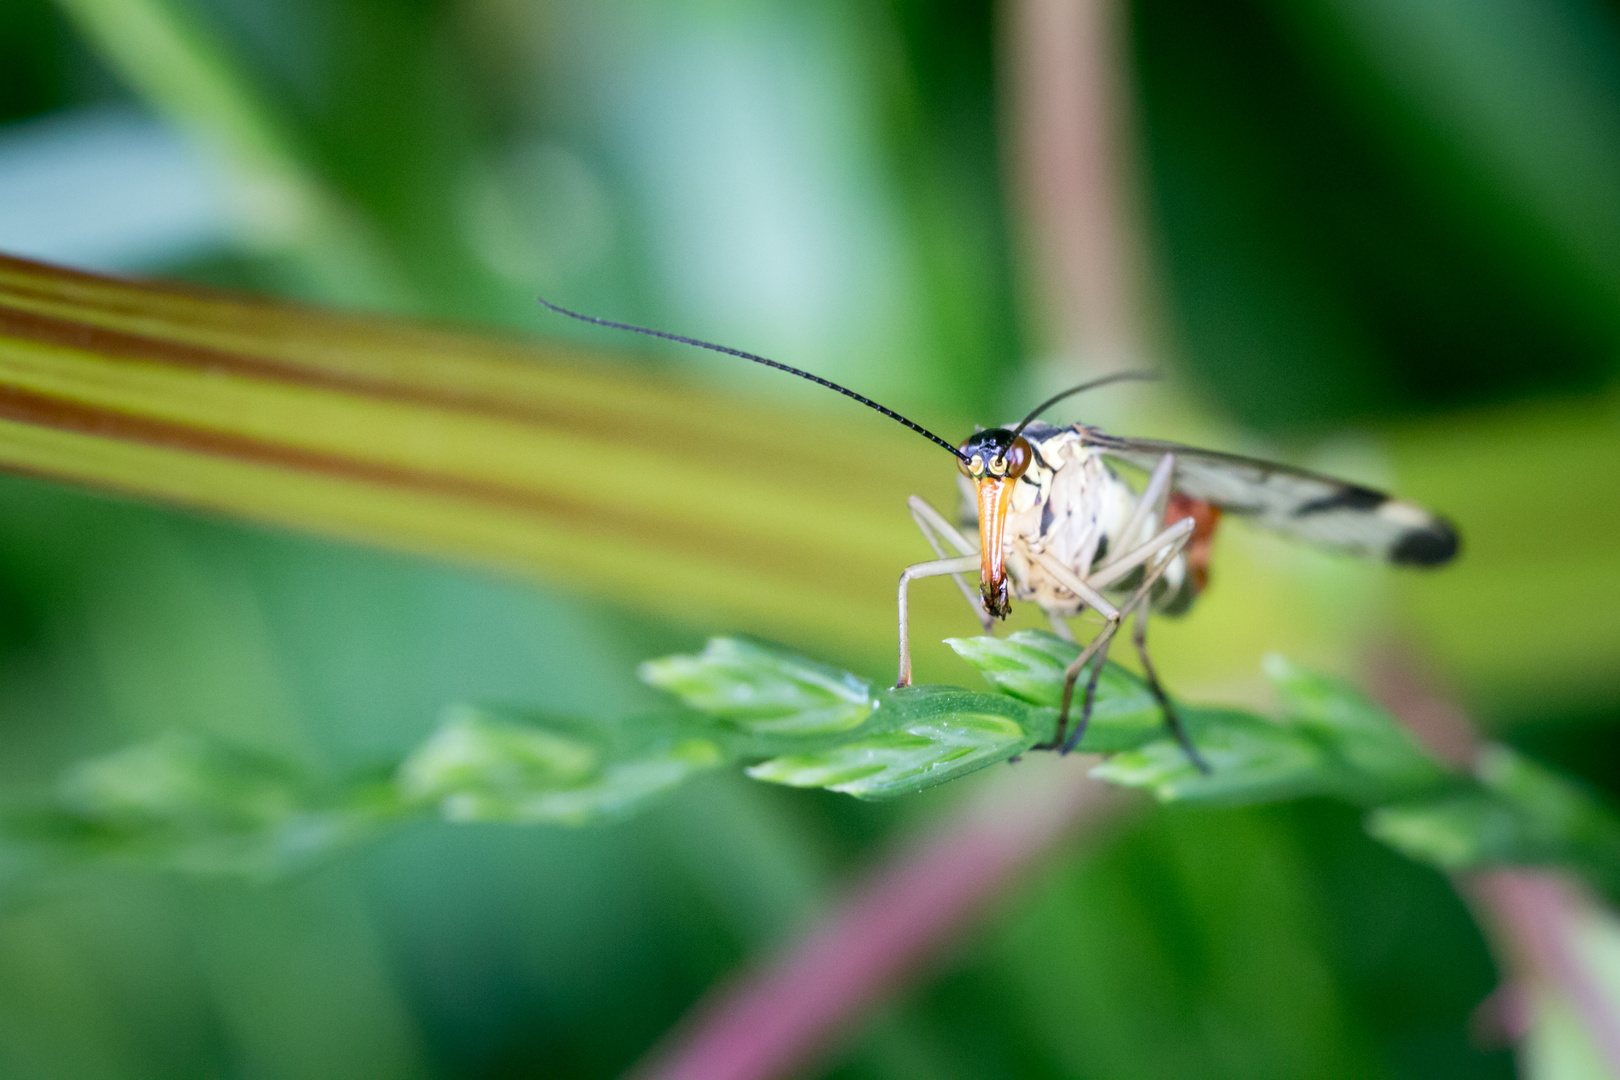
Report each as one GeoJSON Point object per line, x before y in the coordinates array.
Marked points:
{"type": "Point", "coordinates": [545, 461]}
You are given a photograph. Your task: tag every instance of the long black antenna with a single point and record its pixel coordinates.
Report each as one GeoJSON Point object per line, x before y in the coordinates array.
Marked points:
{"type": "Point", "coordinates": [1104, 380]}
{"type": "Point", "coordinates": [846, 391]}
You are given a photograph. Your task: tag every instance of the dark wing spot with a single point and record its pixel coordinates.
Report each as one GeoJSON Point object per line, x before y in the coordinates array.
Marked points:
{"type": "Point", "coordinates": [1046, 518]}
{"type": "Point", "coordinates": [1349, 497]}
{"type": "Point", "coordinates": [1429, 546]}
{"type": "Point", "coordinates": [1102, 549]}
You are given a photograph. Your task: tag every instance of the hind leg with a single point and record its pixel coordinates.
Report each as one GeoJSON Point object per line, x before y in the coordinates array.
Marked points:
{"type": "Point", "coordinates": [1171, 719]}
{"type": "Point", "coordinates": [1088, 699]}
{"type": "Point", "coordinates": [1156, 556]}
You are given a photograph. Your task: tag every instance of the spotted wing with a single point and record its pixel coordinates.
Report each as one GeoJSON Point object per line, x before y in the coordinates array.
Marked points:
{"type": "Point", "coordinates": [1297, 503]}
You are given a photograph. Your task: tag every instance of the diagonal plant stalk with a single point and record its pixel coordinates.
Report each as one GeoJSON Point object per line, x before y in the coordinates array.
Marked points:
{"type": "Point", "coordinates": [543, 461]}
{"type": "Point", "coordinates": [1552, 939]}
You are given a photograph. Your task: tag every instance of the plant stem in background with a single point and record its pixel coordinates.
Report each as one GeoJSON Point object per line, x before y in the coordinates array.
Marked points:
{"type": "Point", "coordinates": [1068, 103]}
{"type": "Point", "coordinates": [1534, 918]}
{"type": "Point", "coordinates": [791, 1010]}
{"type": "Point", "coordinates": [1536, 922]}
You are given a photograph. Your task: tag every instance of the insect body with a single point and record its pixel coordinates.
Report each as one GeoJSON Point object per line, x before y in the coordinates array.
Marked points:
{"type": "Point", "coordinates": [1054, 523]}
{"type": "Point", "coordinates": [1057, 525]}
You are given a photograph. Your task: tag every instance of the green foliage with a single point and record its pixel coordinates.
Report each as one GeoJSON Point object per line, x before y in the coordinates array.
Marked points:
{"type": "Point", "coordinates": [482, 765]}
{"type": "Point", "coordinates": [1329, 741]}
{"type": "Point", "coordinates": [1029, 666]}
{"type": "Point", "coordinates": [922, 736]}
{"type": "Point", "coordinates": [1358, 211]}
{"type": "Point", "coordinates": [197, 806]}
{"type": "Point", "coordinates": [1520, 813]}
{"type": "Point", "coordinates": [763, 690]}
{"type": "Point", "coordinates": [819, 727]}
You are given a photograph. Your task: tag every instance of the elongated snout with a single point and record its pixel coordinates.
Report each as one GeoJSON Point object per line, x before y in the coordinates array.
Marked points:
{"type": "Point", "coordinates": [994, 496]}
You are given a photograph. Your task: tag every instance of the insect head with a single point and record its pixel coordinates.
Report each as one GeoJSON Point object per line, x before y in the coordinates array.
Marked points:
{"type": "Point", "coordinates": [994, 460]}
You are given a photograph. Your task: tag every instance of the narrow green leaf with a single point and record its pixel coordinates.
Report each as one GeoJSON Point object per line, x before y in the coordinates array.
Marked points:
{"type": "Point", "coordinates": [485, 766]}
{"type": "Point", "coordinates": [929, 734]}
{"type": "Point", "coordinates": [1453, 832]}
{"type": "Point", "coordinates": [1521, 814]}
{"type": "Point", "coordinates": [1330, 741]}
{"type": "Point", "coordinates": [763, 690]}
{"type": "Point", "coordinates": [200, 806]}
{"type": "Point", "coordinates": [180, 778]}
{"type": "Point", "coordinates": [1557, 807]}
{"type": "Point", "coordinates": [1372, 750]}
{"type": "Point", "coordinates": [1251, 759]}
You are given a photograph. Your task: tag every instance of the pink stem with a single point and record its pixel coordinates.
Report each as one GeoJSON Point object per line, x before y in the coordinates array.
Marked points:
{"type": "Point", "coordinates": [778, 1017]}
{"type": "Point", "coordinates": [1530, 914]}
{"type": "Point", "coordinates": [1534, 914]}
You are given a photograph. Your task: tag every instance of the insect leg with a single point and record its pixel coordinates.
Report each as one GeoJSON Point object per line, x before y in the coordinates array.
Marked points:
{"type": "Point", "coordinates": [1168, 542]}
{"type": "Point", "coordinates": [1161, 550]}
{"type": "Point", "coordinates": [1171, 719]}
{"type": "Point", "coordinates": [1071, 581]}
{"type": "Point", "coordinates": [937, 568]}
{"type": "Point", "coordinates": [1149, 510]}
{"type": "Point", "coordinates": [935, 528]}
{"type": "Point", "coordinates": [1149, 506]}
{"type": "Point", "coordinates": [1138, 602]}
{"type": "Point", "coordinates": [1071, 675]}
{"type": "Point", "coordinates": [1089, 700]}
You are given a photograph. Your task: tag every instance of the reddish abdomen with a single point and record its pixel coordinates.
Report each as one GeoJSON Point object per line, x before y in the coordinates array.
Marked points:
{"type": "Point", "coordinates": [1205, 518]}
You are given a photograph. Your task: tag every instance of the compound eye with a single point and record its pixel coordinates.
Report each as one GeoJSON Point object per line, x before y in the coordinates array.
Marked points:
{"type": "Point", "coordinates": [1018, 457]}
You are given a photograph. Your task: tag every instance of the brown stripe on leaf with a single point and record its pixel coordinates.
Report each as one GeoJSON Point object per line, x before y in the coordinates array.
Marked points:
{"type": "Point", "coordinates": [50, 412]}
{"type": "Point", "coordinates": [687, 427]}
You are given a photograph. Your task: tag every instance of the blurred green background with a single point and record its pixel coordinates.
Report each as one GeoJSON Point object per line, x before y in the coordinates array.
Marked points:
{"type": "Point", "coordinates": [1383, 228]}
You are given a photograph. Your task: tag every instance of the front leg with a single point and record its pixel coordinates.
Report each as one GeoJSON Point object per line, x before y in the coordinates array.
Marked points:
{"type": "Point", "coordinates": [937, 568]}
{"type": "Point", "coordinates": [938, 532]}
